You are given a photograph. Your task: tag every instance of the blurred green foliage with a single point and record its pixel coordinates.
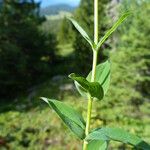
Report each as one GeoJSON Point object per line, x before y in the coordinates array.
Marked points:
{"type": "Point", "coordinates": [29, 124]}
{"type": "Point", "coordinates": [131, 58]}
{"type": "Point", "coordinates": [65, 34]}
{"type": "Point", "coordinates": [26, 54]}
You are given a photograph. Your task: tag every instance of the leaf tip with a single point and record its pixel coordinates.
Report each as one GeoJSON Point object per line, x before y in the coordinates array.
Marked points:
{"type": "Point", "coordinates": [44, 99]}
{"type": "Point", "coordinates": [71, 75]}
{"type": "Point", "coordinates": [128, 13]}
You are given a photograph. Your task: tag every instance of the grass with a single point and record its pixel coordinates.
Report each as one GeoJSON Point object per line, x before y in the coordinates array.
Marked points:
{"type": "Point", "coordinates": [29, 124]}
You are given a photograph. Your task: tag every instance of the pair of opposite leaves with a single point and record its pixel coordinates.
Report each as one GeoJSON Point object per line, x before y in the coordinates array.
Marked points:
{"type": "Point", "coordinates": [98, 88]}
{"type": "Point", "coordinates": [98, 138]}
{"type": "Point", "coordinates": [73, 119]}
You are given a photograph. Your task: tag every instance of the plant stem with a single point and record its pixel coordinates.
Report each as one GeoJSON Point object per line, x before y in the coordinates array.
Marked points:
{"type": "Point", "coordinates": [94, 65]}
{"type": "Point", "coordinates": [95, 53]}
{"type": "Point", "coordinates": [96, 22]}
{"type": "Point", "coordinates": [90, 100]}
{"type": "Point", "coordinates": [89, 109]}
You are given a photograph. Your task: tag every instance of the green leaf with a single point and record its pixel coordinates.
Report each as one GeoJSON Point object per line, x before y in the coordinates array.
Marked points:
{"type": "Point", "coordinates": [102, 75]}
{"type": "Point", "coordinates": [81, 90]}
{"type": "Point", "coordinates": [114, 27]}
{"type": "Point", "coordinates": [93, 88]}
{"type": "Point", "coordinates": [116, 134]}
{"type": "Point", "coordinates": [82, 31]}
{"type": "Point", "coordinates": [97, 145]}
{"type": "Point", "coordinates": [71, 118]}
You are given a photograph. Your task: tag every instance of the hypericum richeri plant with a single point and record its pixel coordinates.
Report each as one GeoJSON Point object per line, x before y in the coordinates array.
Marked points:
{"type": "Point", "coordinates": [94, 87]}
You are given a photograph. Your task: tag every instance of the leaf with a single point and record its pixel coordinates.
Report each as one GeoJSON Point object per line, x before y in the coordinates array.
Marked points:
{"type": "Point", "coordinates": [97, 145]}
{"type": "Point", "coordinates": [113, 28]}
{"type": "Point", "coordinates": [93, 88]}
{"type": "Point", "coordinates": [71, 118]}
{"type": "Point", "coordinates": [81, 90]}
{"type": "Point", "coordinates": [116, 134]}
{"type": "Point", "coordinates": [102, 75]}
{"type": "Point", "coordinates": [82, 31]}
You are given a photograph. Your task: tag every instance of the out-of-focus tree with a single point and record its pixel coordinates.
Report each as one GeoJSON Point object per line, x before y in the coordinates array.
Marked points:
{"type": "Point", "coordinates": [26, 54]}
{"type": "Point", "coordinates": [131, 57]}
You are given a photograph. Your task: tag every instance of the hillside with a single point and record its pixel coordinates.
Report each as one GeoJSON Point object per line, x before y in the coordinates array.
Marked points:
{"type": "Point", "coordinates": [56, 9]}
{"type": "Point", "coordinates": [54, 15]}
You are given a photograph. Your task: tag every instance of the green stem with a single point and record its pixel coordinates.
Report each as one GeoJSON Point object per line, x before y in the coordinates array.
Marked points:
{"type": "Point", "coordinates": [96, 21]}
{"type": "Point", "coordinates": [90, 100]}
{"type": "Point", "coordinates": [95, 53]}
{"type": "Point", "coordinates": [89, 110]}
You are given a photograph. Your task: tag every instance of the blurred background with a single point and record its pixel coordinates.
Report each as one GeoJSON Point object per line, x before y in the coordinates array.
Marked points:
{"type": "Point", "coordinates": [39, 48]}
